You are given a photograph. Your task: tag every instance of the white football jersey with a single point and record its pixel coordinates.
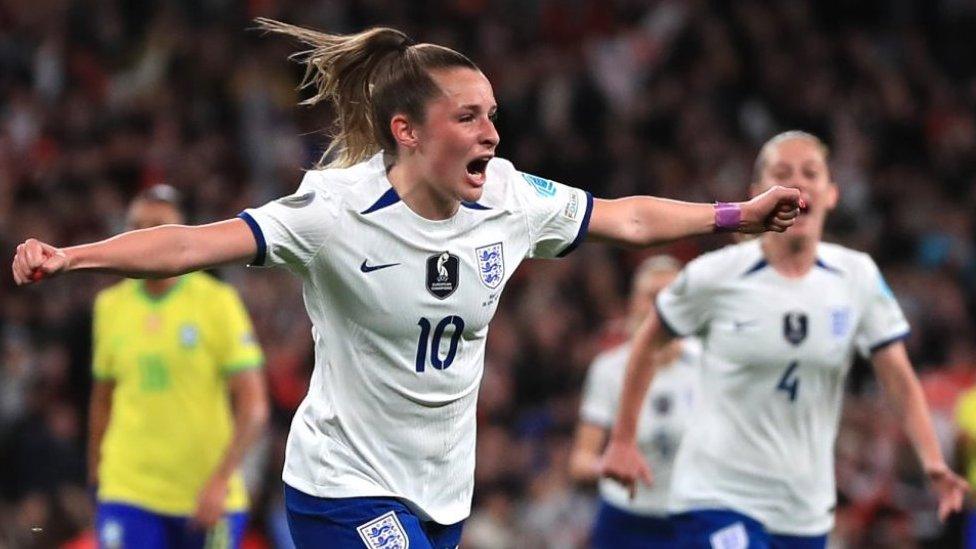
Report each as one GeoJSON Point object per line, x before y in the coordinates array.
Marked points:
{"type": "Point", "coordinates": [665, 414]}
{"type": "Point", "coordinates": [776, 352]}
{"type": "Point", "coordinates": [400, 307]}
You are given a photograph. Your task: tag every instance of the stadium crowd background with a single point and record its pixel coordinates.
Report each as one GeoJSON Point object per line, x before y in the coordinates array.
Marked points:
{"type": "Point", "coordinates": [99, 99]}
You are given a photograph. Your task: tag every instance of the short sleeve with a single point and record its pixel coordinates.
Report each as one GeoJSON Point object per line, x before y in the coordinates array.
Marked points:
{"type": "Point", "coordinates": [290, 230]}
{"type": "Point", "coordinates": [601, 392]}
{"type": "Point", "coordinates": [240, 349]}
{"type": "Point", "coordinates": [102, 364]}
{"type": "Point", "coordinates": [558, 215]}
{"type": "Point", "coordinates": [683, 306]}
{"type": "Point", "coordinates": [883, 322]}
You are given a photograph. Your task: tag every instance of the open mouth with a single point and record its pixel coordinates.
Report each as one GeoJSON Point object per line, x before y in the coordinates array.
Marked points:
{"type": "Point", "coordinates": [476, 168]}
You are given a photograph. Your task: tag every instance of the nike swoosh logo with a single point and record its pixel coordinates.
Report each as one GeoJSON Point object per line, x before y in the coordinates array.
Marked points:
{"type": "Point", "coordinates": [370, 268]}
{"type": "Point", "coordinates": [738, 325]}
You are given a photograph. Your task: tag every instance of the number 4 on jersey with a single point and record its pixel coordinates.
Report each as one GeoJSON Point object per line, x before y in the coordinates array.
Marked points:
{"type": "Point", "coordinates": [790, 383]}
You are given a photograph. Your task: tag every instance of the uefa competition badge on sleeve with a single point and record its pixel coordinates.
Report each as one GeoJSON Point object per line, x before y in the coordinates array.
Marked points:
{"type": "Point", "coordinates": [491, 264]}
{"type": "Point", "coordinates": [543, 187]}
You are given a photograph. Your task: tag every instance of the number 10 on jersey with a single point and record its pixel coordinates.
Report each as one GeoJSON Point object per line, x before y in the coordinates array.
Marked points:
{"type": "Point", "coordinates": [435, 342]}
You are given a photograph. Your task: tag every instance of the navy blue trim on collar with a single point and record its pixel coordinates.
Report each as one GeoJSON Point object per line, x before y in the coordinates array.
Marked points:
{"type": "Point", "coordinates": [584, 227]}
{"type": "Point", "coordinates": [820, 263]}
{"type": "Point", "coordinates": [760, 265]}
{"type": "Point", "coordinates": [389, 198]}
{"type": "Point", "coordinates": [474, 206]}
{"type": "Point", "coordinates": [890, 341]}
{"type": "Point", "coordinates": [261, 254]}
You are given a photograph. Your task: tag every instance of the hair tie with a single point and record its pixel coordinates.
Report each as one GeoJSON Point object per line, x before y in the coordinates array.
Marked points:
{"type": "Point", "coordinates": [406, 43]}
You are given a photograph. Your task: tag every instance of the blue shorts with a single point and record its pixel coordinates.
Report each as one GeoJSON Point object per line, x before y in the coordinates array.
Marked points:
{"type": "Point", "coordinates": [722, 529]}
{"type": "Point", "coordinates": [363, 522]}
{"type": "Point", "coordinates": [616, 528]}
{"type": "Point", "coordinates": [121, 525]}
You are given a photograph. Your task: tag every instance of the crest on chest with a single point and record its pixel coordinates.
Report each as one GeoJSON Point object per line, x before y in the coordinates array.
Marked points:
{"type": "Point", "coordinates": [442, 274]}
{"type": "Point", "coordinates": [795, 327]}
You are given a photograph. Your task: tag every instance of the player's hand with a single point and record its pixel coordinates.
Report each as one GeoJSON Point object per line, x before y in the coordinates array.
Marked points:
{"type": "Point", "coordinates": [210, 503]}
{"type": "Point", "coordinates": [774, 210]}
{"type": "Point", "coordinates": [624, 463]}
{"type": "Point", "coordinates": [950, 487]}
{"type": "Point", "coordinates": [36, 260]}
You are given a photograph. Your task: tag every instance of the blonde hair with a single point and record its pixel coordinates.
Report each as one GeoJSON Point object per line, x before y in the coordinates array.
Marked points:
{"type": "Point", "coordinates": [368, 78]}
{"type": "Point", "coordinates": [763, 158]}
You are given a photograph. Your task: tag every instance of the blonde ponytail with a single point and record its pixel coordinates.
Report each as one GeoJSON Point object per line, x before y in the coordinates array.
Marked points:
{"type": "Point", "coordinates": [367, 77]}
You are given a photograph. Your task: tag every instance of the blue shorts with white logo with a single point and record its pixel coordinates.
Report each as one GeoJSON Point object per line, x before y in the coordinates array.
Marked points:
{"type": "Point", "coordinates": [723, 529]}
{"type": "Point", "coordinates": [121, 525]}
{"type": "Point", "coordinates": [618, 529]}
{"type": "Point", "coordinates": [363, 522]}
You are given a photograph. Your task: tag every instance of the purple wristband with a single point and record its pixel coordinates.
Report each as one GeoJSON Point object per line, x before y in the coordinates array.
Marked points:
{"type": "Point", "coordinates": [727, 217]}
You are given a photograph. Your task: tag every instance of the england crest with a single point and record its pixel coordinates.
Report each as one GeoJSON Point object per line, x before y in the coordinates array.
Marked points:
{"type": "Point", "coordinates": [384, 532]}
{"type": "Point", "coordinates": [442, 274]}
{"type": "Point", "coordinates": [491, 264]}
{"type": "Point", "coordinates": [795, 327]}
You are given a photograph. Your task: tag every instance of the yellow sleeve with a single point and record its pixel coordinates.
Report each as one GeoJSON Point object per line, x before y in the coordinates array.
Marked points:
{"type": "Point", "coordinates": [241, 350]}
{"type": "Point", "coordinates": [966, 413]}
{"type": "Point", "coordinates": [102, 366]}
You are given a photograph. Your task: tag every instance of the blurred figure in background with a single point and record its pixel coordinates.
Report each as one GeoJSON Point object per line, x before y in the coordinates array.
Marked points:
{"type": "Point", "coordinates": [966, 420]}
{"type": "Point", "coordinates": [638, 517]}
{"type": "Point", "coordinates": [782, 318]}
{"type": "Point", "coordinates": [177, 400]}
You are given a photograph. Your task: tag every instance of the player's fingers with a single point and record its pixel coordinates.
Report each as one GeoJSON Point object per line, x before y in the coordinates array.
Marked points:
{"type": "Point", "coordinates": [33, 252]}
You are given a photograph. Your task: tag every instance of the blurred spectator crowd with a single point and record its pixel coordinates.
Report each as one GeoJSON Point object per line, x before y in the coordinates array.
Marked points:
{"type": "Point", "coordinates": [99, 99]}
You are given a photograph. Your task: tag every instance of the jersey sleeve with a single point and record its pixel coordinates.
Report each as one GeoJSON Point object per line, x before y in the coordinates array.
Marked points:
{"type": "Point", "coordinates": [240, 349]}
{"type": "Point", "coordinates": [883, 322]}
{"type": "Point", "coordinates": [683, 306]}
{"type": "Point", "coordinates": [557, 215]}
{"type": "Point", "coordinates": [102, 364]}
{"type": "Point", "coordinates": [601, 394]}
{"type": "Point", "coordinates": [290, 230]}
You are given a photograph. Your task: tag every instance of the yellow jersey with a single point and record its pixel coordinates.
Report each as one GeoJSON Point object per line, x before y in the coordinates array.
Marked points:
{"type": "Point", "coordinates": [171, 418]}
{"type": "Point", "coordinates": [966, 420]}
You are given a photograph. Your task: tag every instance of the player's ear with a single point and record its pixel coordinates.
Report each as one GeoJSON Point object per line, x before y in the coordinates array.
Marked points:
{"type": "Point", "coordinates": [404, 131]}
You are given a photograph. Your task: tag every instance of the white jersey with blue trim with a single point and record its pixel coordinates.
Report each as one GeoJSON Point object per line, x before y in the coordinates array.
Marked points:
{"type": "Point", "coordinates": [400, 307]}
{"type": "Point", "coordinates": [776, 353]}
{"type": "Point", "coordinates": [665, 414]}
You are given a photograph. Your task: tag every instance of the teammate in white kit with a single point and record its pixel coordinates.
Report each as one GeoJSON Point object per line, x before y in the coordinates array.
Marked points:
{"type": "Point", "coordinates": [781, 318]}
{"type": "Point", "coordinates": [403, 242]}
{"type": "Point", "coordinates": [638, 520]}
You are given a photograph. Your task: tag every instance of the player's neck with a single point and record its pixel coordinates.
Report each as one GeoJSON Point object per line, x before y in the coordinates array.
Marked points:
{"type": "Point", "coordinates": [418, 195]}
{"type": "Point", "coordinates": [158, 287]}
{"type": "Point", "coordinates": [790, 256]}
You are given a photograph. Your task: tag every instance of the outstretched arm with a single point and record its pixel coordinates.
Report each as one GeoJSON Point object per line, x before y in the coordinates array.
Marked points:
{"type": "Point", "coordinates": [159, 252]}
{"type": "Point", "coordinates": [622, 460]}
{"type": "Point", "coordinates": [646, 220]}
{"type": "Point", "coordinates": [901, 386]}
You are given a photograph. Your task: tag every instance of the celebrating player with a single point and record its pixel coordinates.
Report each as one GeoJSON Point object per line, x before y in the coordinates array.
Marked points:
{"type": "Point", "coordinates": [403, 244]}
{"type": "Point", "coordinates": [781, 318]}
{"type": "Point", "coordinates": [638, 519]}
{"type": "Point", "coordinates": [165, 444]}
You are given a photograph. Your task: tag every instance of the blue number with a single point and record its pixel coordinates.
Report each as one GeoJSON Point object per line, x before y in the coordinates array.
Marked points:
{"type": "Point", "coordinates": [790, 384]}
{"type": "Point", "coordinates": [435, 343]}
{"type": "Point", "coordinates": [422, 344]}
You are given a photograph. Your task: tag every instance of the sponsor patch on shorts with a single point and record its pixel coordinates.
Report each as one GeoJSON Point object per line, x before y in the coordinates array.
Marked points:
{"type": "Point", "coordinates": [731, 537]}
{"type": "Point", "coordinates": [384, 532]}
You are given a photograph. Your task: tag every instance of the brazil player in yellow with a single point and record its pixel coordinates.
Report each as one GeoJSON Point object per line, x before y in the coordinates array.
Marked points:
{"type": "Point", "coordinates": [165, 444]}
